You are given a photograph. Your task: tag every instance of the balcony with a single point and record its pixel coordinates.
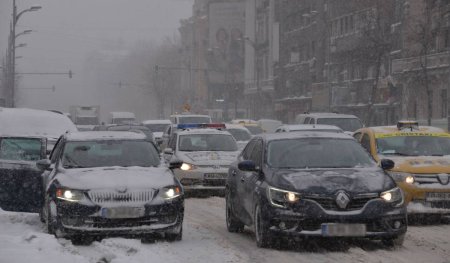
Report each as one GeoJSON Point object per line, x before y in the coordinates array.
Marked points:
{"type": "Point", "coordinates": [435, 61]}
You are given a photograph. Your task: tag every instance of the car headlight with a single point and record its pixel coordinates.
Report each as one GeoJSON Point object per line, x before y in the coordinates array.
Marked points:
{"type": "Point", "coordinates": [402, 177]}
{"type": "Point", "coordinates": [188, 167]}
{"type": "Point", "coordinates": [393, 196]}
{"type": "Point", "coordinates": [280, 198]}
{"type": "Point", "coordinates": [70, 195]}
{"type": "Point", "coordinates": [171, 192]}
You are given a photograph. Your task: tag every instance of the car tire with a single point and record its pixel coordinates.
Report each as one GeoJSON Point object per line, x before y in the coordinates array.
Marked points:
{"type": "Point", "coordinates": [172, 237]}
{"type": "Point", "coordinates": [263, 238]}
{"type": "Point", "coordinates": [394, 242]}
{"type": "Point", "coordinates": [234, 225]}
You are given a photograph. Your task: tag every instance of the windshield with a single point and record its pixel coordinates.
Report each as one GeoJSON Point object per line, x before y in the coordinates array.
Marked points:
{"type": "Point", "coordinates": [157, 127]}
{"type": "Point", "coordinates": [317, 153]}
{"type": "Point", "coordinates": [207, 142]}
{"type": "Point", "coordinates": [196, 119]}
{"type": "Point", "coordinates": [86, 121]}
{"type": "Point", "coordinates": [240, 134]}
{"type": "Point", "coordinates": [346, 124]}
{"type": "Point", "coordinates": [23, 149]}
{"type": "Point", "coordinates": [105, 153]}
{"type": "Point", "coordinates": [414, 145]}
{"type": "Point", "coordinates": [255, 130]}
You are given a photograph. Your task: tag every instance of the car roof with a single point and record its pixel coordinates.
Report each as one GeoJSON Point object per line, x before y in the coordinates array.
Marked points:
{"type": "Point", "coordinates": [189, 115]}
{"type": "Point", "coordinates": [104, 135]}
{"type": "Point", "coordinates": [308, 127]}
{"type": "Point", "coordinates": [202, 131]}
{"type": "Point", "coordinates": [300, 135]}
{"type": "Point", "coordinates": [394, 129]}
{"type": "Point", "coordinates": [156, 122]}
{"type": "Point", "coordinates": [235, 126]}
{"type": "Point", "coordinates": [328, 115]}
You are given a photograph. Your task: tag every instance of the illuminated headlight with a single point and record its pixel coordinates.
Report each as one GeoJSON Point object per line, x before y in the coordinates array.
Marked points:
{"type": "Point", "coordinates": [170, 192]}
{"type": "Point", "coordinates": [394, 196]}
{"type": "Point", "coordinates": [402, 177]}
{"type": "Point", "coordinates": [70, 195]}
{"type": "Point", "coordinates": [187, 167]}
{"type": "Point", "coordinates": [280, 198]}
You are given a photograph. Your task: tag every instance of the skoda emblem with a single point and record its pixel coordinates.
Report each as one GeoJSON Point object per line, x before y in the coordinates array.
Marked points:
{"type": "Point", "coordinates": [121, 190]}
{"type": "Point", "coordinates": [342, 199]}
{"type": "Point", "coordinates": [443, 178]}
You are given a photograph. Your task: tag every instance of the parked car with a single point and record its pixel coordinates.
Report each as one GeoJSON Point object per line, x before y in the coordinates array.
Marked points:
{"type": "Point", "coordinates": [110, 184]}
{"type": "Point", "coordinates": [422, 158]}
{"type": "Point", "coordinates": [206, 152]}
{"type": "Point", "coordinates": [35, 123]}
{"type": "Point", "coordinates": [308, 128]}
{"type": "Point", "coordinates": [346, 122]}
{"type": "Point", "coordinates": [20, 179]}
{"type": "Point", "coordinates": [157, 127]}
{"type": "Point", "coordinates": [313, 185]}
{"type": "Point", "coordinates": [241, 134]}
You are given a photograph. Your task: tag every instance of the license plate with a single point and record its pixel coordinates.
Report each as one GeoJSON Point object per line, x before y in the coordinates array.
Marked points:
{"type": "Point", "coordinates": [343, 230]}
{"type": "Point", "coordinates": [216, 176]}
{"type": "Point", "coordinates": [438, 197]}
{"type": "Point", "coordinates": [123, 212]}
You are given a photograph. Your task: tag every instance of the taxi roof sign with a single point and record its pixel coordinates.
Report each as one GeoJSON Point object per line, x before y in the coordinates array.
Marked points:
{"type": "Point", "coordinates": [413, 125]}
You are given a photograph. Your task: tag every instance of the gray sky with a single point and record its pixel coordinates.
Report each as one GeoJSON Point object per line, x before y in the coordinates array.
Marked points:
{"type": "Point", "coordinates": [66, 30]}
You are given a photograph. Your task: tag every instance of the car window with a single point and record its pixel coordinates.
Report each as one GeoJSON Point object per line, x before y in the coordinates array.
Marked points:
{"type": "Point", "coordinates": [56, 150]}
{"type": "Point", "coordinates": [240, 134]}
{"type": "Point", "coordinates": [248, 150]}
{"type": "Point", "coordinates": [306, 121]}
{"type": "Point", "coordinates": [256, 155]}
{"type": "Point", "coordinates": [207, 142]}
{"type": "Point", "coordinates": [365, 142]}
{"type": "Point", "coordinates": [312, 121]}
{"type": "Point", "coordinates": [173, 142]}
{"type": "Point", "coordinates": [24, 149]}
{"type": "Point", "coordinates": [357, 136]}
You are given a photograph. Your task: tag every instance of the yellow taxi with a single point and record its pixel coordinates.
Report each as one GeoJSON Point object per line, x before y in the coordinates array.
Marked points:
{"type": "Point", "coordinates": [422, 162]}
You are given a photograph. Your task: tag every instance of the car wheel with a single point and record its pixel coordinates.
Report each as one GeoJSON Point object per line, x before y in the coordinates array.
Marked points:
{"type": "Point", "coordinates": [234, 225]}
{"type": "Point", "coordinates": [262, 235]}
{"type": "Point", "coordinates": [394, 242]}
{"type": "Point", "coordinates": [171, 237]}
{"type": "Point", "coordinates": [81, 240]}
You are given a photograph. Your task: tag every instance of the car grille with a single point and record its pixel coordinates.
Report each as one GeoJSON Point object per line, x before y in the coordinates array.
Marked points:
{"type": "Point", "coordinates": [427, 178]}
{"type": "Point", "coordinates": [99, 222]}
{"type": "Point", "coordinates": [110, 197]}
{"type": "Point", "coordinates": [329, 203]}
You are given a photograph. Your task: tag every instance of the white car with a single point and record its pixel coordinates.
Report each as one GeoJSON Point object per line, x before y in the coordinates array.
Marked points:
{"type": "Point", "coordinates": [241, 134]}
{"type": "Point", "coordinates": [157, 127]}
{"type": "Point", "coordinates": [206, 154]}
{"type": "Point", "coordinates": [309, 127]}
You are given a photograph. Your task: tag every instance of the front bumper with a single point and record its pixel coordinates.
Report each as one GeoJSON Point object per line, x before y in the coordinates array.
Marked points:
{"type": "Point", "coordinates": [84, 219]}
{"type": "Point", "coordinates": [305, 219]}
{"type": "Point", "coordinates": [203, 179]}
{"type": "Point", "coordinates": [426, 198]}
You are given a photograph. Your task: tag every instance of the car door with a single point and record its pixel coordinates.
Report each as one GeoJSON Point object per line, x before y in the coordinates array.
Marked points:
{"type": "Point", "coordinates": [250, 180]}
{"type": "Point", "coordinates": [20, 179]}
{"type": "Point", "coordinates": [238, 184]}
{"type": "Point", "coordinates": [49, 174]}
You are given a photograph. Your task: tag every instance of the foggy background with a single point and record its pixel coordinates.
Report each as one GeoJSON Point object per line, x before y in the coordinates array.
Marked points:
{"type": "Point", "coordinates": [91, 38]}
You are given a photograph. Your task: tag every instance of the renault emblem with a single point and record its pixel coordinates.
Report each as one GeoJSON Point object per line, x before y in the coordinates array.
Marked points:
{"type": "Point", "coordinates": [342, 199]}
{"type": "Point", "coordinates": [443, 178]}
{"type": "Point", "coordinates": [121, 190]}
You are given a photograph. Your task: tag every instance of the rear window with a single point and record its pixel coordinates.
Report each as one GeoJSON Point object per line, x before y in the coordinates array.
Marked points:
{"type": "Point", "coordinates": [23, 149]}
{"type": "Point", "coordinates": [346, 124]}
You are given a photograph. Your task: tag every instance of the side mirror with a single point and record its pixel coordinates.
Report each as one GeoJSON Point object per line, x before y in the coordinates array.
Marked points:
{"type": "Point", "coordinates": [387, 164]}
{"type": "Point", "coordinates": [247, 166]}
{"type": "Point", "coordinates": [175, 164]}
{"type": "Point", "coordinates": [44, 164]}
{"type": "Point", "coordinates": [168, 151]}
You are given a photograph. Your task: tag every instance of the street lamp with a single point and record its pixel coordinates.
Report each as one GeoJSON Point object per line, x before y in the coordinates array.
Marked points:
{"type": "Point", "coordinates": [12, 46]}
{"type": "Point", "coordinates": [255, 47]}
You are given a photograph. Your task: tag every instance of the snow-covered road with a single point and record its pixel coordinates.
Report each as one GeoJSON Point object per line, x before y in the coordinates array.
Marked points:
{"type": "Point", "coordinates": [23, 239]}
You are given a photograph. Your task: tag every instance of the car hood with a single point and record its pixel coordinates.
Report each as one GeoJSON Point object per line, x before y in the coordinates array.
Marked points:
{"type": "Point", "coordinates": [209, 157]}
{"type": "Point", "coordinates": [329, 181]}
{"type": "Point", "coordinates": [421, 164]}
{"type": "Point", "coordinates": [110, 177]}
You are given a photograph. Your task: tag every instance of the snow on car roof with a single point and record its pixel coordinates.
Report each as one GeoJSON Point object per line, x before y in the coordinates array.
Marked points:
{"type": "Point", "coordinates": [235, 126]}
{"type": "Point", "coordinates": [157, 122]}
{"type": "Point", "coordinates": [301, 127]}
{"type": "Point", "coordinates": [329, 115]}
{"type": "Point", "coordinates": [23, 121]}
{"type": "Point", "coordinates": [312, 134]}
{"type": "Point", "coordinates": [203, 131]}
{"type": "Point", "coordinates": [104, 135]}
{"type": "Point", "coordinates": [393, 129]}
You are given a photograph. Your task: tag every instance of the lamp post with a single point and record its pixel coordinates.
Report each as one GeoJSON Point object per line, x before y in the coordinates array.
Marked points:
{"type": "Point", "coordinates": [12, 47]}
{"type": "Point", "coordinates": [255, 47]}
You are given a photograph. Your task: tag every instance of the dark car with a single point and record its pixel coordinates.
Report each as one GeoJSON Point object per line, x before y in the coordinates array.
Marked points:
{"type": "Point", "coordinates": [313, 185]}
{"type": "Point", "coordinates": [110, 184]}
{"type": "Point", "coordinates": [20, 179]}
